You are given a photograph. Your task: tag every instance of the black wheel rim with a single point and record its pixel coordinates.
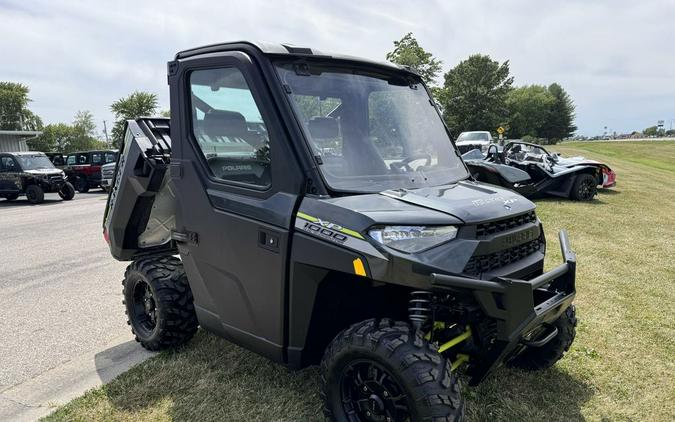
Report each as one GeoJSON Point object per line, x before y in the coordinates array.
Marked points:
{"type": "Point", "coordinates": [145, 309]}
{"type": "Point", "coordinates": [587, 189]}
{"type": "Point", "coordinates": [32, 196]}
{"type": "Point", "coordinates": [370, 393]}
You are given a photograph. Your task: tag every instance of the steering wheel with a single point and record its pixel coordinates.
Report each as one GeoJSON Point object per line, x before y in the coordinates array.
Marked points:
{"type": "Point", "coordinates": [492, 156]}
{"type": "Point", "coordinates": [405, 163]}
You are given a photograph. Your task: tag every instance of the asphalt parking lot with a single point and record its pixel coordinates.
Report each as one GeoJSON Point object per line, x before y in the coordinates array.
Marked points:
{"type": "Point", "coordinates": [63, 327]}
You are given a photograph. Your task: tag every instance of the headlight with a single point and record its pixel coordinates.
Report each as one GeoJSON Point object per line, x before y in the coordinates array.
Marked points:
{"type": "Point", "coordinates": [413, 239]}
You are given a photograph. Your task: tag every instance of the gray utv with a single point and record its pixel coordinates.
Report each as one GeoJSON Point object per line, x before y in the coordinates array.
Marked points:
{"type": "Point", "coordinates": [322, 215]}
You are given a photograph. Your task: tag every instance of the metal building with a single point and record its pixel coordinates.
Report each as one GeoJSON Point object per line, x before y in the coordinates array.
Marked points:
{"type": "Point", "coordinates": [15, 140]}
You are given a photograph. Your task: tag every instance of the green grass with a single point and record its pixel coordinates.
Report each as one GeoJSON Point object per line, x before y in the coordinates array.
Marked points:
{"type": "Point", "coordinates": [621, 366]}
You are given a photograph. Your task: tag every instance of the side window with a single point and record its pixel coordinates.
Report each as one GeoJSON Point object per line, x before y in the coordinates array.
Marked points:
{"type": "Point", "coordinates": [228, 127]}
{"type": "Point", "coordinates": [83, 159]}
{"type": "Point", "coordinates": [9, 164]}
{"type": "Point", "coordinates": [96, 158]}
{"type": "Point", "coordinates": [110, 157]}
{"type": "Point", "coordinates": [71, 160]}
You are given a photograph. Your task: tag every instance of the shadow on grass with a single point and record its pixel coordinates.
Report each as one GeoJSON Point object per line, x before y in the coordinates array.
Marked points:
{"type": "Point", "coordinates": [212, 379]}
{"type": "Point", "coordinates": [554, 200]}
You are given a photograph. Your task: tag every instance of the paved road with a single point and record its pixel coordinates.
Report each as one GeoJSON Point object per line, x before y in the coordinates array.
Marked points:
{"type": "Point", "coordinates": [61, 310]}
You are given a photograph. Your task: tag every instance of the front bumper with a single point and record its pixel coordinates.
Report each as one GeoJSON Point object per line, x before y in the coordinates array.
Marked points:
{"type": "Point", "coordinates": [518, 306]}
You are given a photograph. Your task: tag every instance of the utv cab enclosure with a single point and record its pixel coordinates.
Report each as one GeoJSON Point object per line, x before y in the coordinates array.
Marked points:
{"type": "Point", "coordinates": [323, 215]}
{"type": "Point", "coordinates": [31, 174]}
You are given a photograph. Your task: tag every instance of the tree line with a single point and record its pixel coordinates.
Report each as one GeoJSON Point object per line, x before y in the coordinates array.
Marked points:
{"type": "Point", "coordinates": [80, 134]}
{"type": "Point", "coordinates": [478, 94]}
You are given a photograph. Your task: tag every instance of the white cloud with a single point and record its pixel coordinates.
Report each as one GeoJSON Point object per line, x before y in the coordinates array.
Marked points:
{"type": "Point", "coordinates": [614, 57]}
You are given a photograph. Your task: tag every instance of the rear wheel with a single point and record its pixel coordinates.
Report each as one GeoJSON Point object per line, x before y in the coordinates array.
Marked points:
{"type": "Point", "coordinates": [82, 185]}
{"type": "Point", "coordinates": [35, 194]}
{"type": "Point", "coordinates": [534, 358]}
{"type": "Point", "coordinates": [159, 302]}
{"type": "Point", "coordinates": [381, 371]}
{"type": "Point", "coordinates": [585, 187]}
{"type": "Point", "coordinates": [67, 192]}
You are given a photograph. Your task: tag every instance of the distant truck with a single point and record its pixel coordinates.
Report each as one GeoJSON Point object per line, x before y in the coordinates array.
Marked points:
{"type": "Point", "coordinates": [107, 174]}
{"type": "Point", "coordinates": [84, 168]}
{"type": "Point", "coordinates": [466, 141]}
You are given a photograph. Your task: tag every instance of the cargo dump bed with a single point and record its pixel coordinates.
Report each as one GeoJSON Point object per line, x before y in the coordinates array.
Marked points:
{"type": "Point", "coordinates": [139, 215]}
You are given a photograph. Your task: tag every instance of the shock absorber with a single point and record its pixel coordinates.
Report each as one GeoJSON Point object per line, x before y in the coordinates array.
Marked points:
{"type": "Point", "coordinates": [419, 308]}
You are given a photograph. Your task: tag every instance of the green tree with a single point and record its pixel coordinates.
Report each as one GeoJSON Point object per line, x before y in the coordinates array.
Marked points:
{"type": "Point", "coordinates": [560, 122]}
{"type": "Point", "coordinates": [408, 52]}
{"type": "Point", "coordinates": [14, 112]}
{"type": "Point", "coordinates": [529, 109]}
{"type": "Point", "coordinates": [84, 123]}
{"type": "Point", "coordinates": [54, 138]}
{"type": "Point", "coordinates": [136, 105]}
{"type": "Point", "coordinates": [474, 94]}
{"type": "Point", "coordinates": [651, 131]}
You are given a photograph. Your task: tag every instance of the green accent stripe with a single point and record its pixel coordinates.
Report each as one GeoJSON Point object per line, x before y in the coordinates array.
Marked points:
{"type": "Point", "coordinates": [343, 230]}
{"type": "Point", "coordinates": [307, 217]}
{"type": "Point", "coordinates": [351, 233]}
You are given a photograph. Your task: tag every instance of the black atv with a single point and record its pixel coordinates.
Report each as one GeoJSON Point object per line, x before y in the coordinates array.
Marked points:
{"type": "Point", "coordinates": [31, 174]}
{"type": "Point", "coordinates": [323, 216]}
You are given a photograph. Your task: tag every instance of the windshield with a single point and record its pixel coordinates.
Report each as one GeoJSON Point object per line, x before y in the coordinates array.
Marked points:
{"type": "Point", "coordinates": [473, 136]}
{"type": "Point", "coordinates": [35, 162]}
{"type": "Point", "coordinates": [371, 132]}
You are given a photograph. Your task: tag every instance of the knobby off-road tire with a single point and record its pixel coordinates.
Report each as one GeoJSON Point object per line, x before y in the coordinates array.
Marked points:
{"type": "Point", "coordinates": [159, 302]}
{"type": "Point", "coordinates": [383, 364]}
{"type": "Point", "coordinates": [35, 194]}
{"type": "Point", "coordinates": [67, 192]}
{"type": "Point", "coordinates": [535, 358]}
{"type": "Point", "coordinates": [585, 187]}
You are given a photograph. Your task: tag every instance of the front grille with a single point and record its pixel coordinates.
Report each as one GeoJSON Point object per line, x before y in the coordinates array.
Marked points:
{"type": "Point", "coordinates": [486, 229]}
{"type": "Point", "coordinates": [480, 264]}
{"type": "Point", "coordinates": [56, 179]}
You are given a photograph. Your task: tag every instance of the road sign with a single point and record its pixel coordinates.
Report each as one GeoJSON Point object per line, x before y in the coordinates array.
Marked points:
{"type": "Point", "coordinates": [500, 130]}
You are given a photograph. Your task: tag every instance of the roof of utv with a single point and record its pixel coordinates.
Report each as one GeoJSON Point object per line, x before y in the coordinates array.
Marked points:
{"type": "Point", "coordinates": [274, 49]}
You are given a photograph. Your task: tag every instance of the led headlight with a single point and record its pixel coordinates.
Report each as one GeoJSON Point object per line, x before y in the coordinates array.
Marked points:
{"type": "Point", "coordinates": [413, 239]}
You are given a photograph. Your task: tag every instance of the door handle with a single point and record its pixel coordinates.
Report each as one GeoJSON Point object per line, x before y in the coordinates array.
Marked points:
{"type": "Point", "coordinates": [269, 240]}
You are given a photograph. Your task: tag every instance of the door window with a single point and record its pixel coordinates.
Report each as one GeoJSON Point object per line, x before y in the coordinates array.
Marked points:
{"type": "Point", "coordinates": [72, 160]}
{"type": "Point", "coordinates": [8, 164]}
{"type": "Point", "coordinates": [229, 128]}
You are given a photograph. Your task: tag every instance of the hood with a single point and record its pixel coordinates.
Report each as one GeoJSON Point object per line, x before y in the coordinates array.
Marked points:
{"type": "Point", "coordinates": [40, 172]}
{"type": "Point", "coordinates": [468, 202]}
{"type": "Point", "coordinates": [471, 202]}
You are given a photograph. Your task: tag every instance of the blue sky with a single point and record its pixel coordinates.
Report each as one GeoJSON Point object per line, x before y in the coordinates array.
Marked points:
{"type": "Point", "coordinates": [615, 58]}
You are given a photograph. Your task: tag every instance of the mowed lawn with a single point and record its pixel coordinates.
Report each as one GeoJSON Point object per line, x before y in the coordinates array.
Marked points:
{"type": "Point", "coordinates": [620, 368]}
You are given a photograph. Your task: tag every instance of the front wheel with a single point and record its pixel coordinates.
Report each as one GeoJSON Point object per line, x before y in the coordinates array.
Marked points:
{"type": "Point", "coordinates": [35, 194]}
{"type": "Point", "coordinates": [382, 371]}
{"type": "Point", "coordinates": [159, 302]}
{"type": "Point", "coordinates": [67, 192]}
{"type": "Point", "coordinates": [585, 187]}
{"type": "Point", "coordinates": [535, 358]}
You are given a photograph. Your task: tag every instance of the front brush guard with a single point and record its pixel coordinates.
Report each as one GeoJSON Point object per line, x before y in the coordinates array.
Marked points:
{"type": "Point", "coordinates": [518, 306]}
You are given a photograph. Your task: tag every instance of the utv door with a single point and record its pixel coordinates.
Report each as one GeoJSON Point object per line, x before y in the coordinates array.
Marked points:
{"type": "Point", "coordinates": [237, 186]}
{"type": "Point", "coordinates": [10, 181]}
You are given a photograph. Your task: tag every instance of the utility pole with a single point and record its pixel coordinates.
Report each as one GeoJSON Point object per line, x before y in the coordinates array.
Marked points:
{"type": "Point", "coordinates": [105, 132]}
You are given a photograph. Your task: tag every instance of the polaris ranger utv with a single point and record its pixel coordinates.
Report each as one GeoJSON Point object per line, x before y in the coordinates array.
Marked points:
{"type": "Point", "coordinates": [323, 215]}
